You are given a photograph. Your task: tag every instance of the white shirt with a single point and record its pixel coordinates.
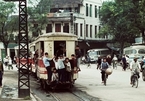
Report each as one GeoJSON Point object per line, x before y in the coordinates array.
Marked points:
{"type": "Point", "coordinates": [60, 64]}
{"type": "Point", "coordinates": [135, 65]}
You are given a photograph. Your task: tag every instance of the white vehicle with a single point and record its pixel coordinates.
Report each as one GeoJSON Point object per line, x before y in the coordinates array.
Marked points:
{"type": "Point", "coordinates": [95, 53]}
{"type": "Point", "coordinates": [135, 51]}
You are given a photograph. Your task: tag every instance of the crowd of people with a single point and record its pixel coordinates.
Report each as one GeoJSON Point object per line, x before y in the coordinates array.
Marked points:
{"type": "Point", "coordinates": [103, 63]}
{"type": "Point", "coordinates": [62, 69]}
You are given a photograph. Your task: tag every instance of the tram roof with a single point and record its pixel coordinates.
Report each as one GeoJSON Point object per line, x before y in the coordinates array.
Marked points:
{"type": "Point", "coordinates": [58, 34]}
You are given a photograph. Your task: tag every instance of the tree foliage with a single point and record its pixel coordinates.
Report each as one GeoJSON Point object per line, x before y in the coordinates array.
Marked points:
{"type": "Point", "coordinates": [38, 16]}
{"type": "Point", "coordinates": [117, 19]}
{"type": "Point", "coordinates": [8, 23]}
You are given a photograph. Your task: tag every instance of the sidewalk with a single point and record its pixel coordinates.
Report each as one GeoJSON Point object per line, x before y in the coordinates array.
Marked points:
{"type": "Point", "coordinates": [9, 90]}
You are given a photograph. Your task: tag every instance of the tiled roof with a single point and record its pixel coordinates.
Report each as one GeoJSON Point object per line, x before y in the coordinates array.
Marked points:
{"type": "Point", "coordinates": [65, 3]}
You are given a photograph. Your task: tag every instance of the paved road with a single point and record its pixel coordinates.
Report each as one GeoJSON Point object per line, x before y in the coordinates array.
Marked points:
{"type": "Point", "coordinates": [118, 85]}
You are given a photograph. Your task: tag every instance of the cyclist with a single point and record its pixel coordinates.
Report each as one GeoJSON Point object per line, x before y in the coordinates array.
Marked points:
{"type": "Point", "coordinates": [104, 66]}
{"type": "Point", "coordinates": [135, 68]}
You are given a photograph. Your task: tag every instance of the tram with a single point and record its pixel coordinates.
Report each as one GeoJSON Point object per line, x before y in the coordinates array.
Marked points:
{"type": "Point", "coordinates": [50, 43]}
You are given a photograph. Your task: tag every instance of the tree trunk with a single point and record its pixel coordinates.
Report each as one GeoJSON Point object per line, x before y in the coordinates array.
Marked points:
{"type": "Point", "coordinates": [6, 47]}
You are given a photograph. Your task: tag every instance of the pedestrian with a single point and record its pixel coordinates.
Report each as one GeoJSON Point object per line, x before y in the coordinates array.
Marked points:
{"type": "Point", "coordinates": [115, 60]}
{"type": "Point", "coordinates": [46, 62]}
{"type": "Point", "coordinates": [104, 66]}
{"type": "Point", "coordinates": [14, 60]}
{"type": "Point", "coordinates": [1, 72]}
{"type": "Point", "coordinates": [109, 60]}
{"type": "Point", "coordinates": [124, 62]}
{"type": "Point", "coordinates": [6, 61]}
{"type": "Point", "coordinates": [10, 64]}
{"type": "Point", "coordinates": [78, 56]}
{"type": "Point", "coordinates": [99, 62]}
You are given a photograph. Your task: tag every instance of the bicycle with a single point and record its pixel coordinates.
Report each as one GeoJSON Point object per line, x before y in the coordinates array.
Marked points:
{"type": "Point", "coordinates": [134, 79]}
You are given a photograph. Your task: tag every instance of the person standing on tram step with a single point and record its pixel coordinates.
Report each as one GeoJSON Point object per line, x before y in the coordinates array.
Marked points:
{"type": "Point", "coordinates": [46, 62]}
{"type": "Point", "coordinates": [78, 56]}
{"type": "Point", "coordinates": [68, 70]}
{"type": "Point", "coordinates": [61, 68]}
{"type": "Point", "coordinates": [1, 72]}
{"type": "Point", "coordinates": [74, 68]}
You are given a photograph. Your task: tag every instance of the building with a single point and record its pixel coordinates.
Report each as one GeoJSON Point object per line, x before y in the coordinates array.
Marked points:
{"type": "Point", "coordinates": [80, 17]}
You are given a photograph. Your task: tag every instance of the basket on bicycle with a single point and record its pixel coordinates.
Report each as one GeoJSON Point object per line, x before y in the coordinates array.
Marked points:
{"type": "Point", "coordinates": [109, 71]}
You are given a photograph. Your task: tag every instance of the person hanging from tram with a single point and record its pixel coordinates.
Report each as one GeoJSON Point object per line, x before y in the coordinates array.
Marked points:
{"type": "Point", "coordinates": [46, 62]}
{"type": "Point", "coordinates": [74, 68]}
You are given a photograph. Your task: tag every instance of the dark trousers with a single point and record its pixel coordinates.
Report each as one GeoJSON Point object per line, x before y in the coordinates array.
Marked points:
{"type": "Point", "coordinates": [49, 72]}
{"type": "Point", "coordinates": [0, 81]}
{"type": "Point", "coordinates": [61, 75]}
{"type": "Point", "coordinates": [103, 75]}
{"type": "Point", "coordinates": [68, 76]}
{"type": "Point", "coordinates": [124, 66]}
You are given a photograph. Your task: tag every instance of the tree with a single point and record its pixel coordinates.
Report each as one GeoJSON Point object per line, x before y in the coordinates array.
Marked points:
{"type": "Point", "coordinates": [8, 23]}
{"type": "Point", "coordinates": [38, 16]}
{"type": "Point", "coordinates": [116, 21]}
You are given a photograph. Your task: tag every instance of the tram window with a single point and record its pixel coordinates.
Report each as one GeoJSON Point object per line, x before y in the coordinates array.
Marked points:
{"type": "Point", "coordinates": [57, 27]}
{"type": "Point", "coordinates": [66, 28]}
{"type": "Point", "coordinates": [141, 51]}
{"type": "Point", "coordinates": [48, 28]}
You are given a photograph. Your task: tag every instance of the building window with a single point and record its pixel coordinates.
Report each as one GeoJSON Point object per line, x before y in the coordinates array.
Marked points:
{"type": "Point", "coordinates": [76, 28]}
{"type": "Point", "coordinates": [95, 11]}
{"type": "Point", "coordinates": [96, 32]}
{"type": "Point", "coordinates": [57, 27]}
{"type": "Point", "coordinates": [81, 29]}
{"type": "Point", "coordinates": [87, 30]}
{"type": "Point", "coordinates": [90, 10]}
{"type": "Point", "coordinates": [99, 10]}
{"type": "Point", "coordinates": [66, 28]}
{"type": "Point", "coordinates": [99, 30]}
{"type": "Point", "coordinates": [87, 10]}
{"type": "Point", "coordinates": [91, 31]}
{"type": "Point", "coordinates": [48, 28]}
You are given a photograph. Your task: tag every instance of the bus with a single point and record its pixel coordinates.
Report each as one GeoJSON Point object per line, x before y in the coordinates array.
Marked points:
{"type": "Point", "coordinates": [135, 51]}
{"type": "Point", "coordinates": [93, 54]}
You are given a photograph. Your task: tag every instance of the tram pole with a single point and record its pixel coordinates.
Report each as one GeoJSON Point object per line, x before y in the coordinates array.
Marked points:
{"type": "Point", "coordinates": [23, 68]}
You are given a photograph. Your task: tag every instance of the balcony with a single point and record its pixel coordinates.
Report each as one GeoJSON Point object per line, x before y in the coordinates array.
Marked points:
{"type": "Point", "coordinates": [64, 15]}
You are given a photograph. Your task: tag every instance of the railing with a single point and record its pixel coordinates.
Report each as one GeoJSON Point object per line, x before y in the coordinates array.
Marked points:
{"type": "Point", "coordinates": [65, 14]}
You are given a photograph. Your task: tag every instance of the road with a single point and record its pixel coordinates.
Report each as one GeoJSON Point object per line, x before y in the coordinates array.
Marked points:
{"type": "Point", "coordinates": [118, 85]}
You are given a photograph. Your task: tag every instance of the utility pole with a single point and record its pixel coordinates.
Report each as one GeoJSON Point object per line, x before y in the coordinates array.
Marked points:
{"type": "Point", "coordinates": [23, 68]}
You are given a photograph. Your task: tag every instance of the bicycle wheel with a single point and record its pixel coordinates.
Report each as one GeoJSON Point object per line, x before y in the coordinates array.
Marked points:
{"type": "Point", "coordinates": [135, 81]}
{"type": "Point", "coordinates": [105, 79]}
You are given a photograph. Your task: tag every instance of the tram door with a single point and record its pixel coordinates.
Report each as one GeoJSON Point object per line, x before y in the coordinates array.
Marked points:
{"type": "Point", "coordinates": [58, 46]}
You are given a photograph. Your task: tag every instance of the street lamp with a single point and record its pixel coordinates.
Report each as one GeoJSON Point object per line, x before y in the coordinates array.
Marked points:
{"type": "Point", "coordinates": [23, 68]}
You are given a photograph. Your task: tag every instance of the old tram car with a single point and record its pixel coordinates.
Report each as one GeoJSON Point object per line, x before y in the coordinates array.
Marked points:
{"type": "Point", "coordinates": [49, 43]}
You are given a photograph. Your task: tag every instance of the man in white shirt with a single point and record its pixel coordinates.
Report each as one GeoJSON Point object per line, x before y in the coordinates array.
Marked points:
{"type": "Point", "coordinates": [135, 68]}
{"type": "Point", "coordinates": [61, 69]}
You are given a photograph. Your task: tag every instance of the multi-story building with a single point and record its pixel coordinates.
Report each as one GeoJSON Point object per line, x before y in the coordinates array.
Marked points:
{"type": "Point", "coordinates": [79, 17]}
